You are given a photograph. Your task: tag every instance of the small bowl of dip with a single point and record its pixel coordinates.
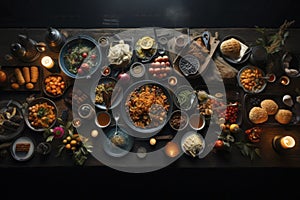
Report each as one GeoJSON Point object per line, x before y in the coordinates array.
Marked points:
{"type": "Point", "coordinates": [103, 119]}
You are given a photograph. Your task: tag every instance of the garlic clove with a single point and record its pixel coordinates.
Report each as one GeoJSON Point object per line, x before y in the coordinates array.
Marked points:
{"type": "Point", "coordinates": [287, 100]}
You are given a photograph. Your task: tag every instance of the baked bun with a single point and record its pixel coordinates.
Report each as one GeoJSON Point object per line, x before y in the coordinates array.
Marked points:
{"type": "Point", "coordinates": [284, 116]}
{"type": "Point", "coordinates": [231, 48]}
{"type": "Point", "coordinates": [258, 115]}
{"type": "Point", "coordinates": [270, 106]}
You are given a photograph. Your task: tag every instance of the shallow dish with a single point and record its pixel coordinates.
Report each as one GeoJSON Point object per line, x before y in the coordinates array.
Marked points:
{"type": "Point", "coordinates": [22, 155]}
{"type": "Point", "coordinates": [115, 93]}
{"type": "Point", "coordinates": [144, 50]}
{"type": "Point", "coordinates": [254, 84]}
{"type": "Point", "coordinates": [16, 124]}
{"type": "Point", "coordinates": [135, 102]}
{"type": "Point", "coordinates": [245, 51]}
{"type": "Point", "coordinates": [185, 97]}
{"type": "Point", "coordinates": [192, 143]}
{"type": "Point", "coordinates": [43, 107]}
{"type": "Point", "coordinates": [179, 120]}
{"type": "Point", "coordinates": [80, 56]}
{"type": "Point", "coordinates": [117, 144]}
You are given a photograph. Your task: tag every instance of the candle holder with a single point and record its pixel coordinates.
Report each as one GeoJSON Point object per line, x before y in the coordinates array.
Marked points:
{"type": "Point", "coordinates": [283, 143]}
{"type": "Point", "coordinates": [48, 63]}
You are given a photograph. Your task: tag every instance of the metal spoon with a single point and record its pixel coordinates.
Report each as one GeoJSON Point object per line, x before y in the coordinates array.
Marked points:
{"type": "Point", "coordinates": [116, 117]}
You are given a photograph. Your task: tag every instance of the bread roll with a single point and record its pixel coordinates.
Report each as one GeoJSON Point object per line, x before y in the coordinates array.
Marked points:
{"type": "Point", "coordinates": [284, 116]}
{"type": "Point", "coordinates": [231, 48]}
{"type": "Point", "coordinates": [270, 106]}
{"type": "Point", "coordinates": [258, 115]}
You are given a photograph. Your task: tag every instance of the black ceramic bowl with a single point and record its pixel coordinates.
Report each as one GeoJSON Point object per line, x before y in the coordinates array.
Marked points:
{"type": "Point", "coordinates": [41, 114]}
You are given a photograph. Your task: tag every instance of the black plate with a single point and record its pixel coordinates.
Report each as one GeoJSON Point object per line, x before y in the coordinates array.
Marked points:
{"type": "Point", "coordinates": [10, 132]}
{"type": "Point", "coordinates": [244, 57]}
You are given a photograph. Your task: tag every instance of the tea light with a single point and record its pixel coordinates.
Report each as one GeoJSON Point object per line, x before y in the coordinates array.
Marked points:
{"type": "Point", "coordinates": [284, 80]}
{"type": "Point", "coordinates": [172, 149]}
{"type": "Point", "coordinates": [287, 142]}
{"type": "Point", "coordinates": [47, 62]}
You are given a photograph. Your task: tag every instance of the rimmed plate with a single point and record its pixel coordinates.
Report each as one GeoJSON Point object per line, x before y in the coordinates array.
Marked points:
{"type": "Point", "coordinates": [23, 155]}
{"type": "Point", "coordinates": [80, 56]}
{"type": "Point", "coordinates": [146, 52]}
{"type": "Point", "coordinates": [117, 144]}
{"type": "Point", "coordinates": [245, 51]}
{"type": "Point", "coordinates": [192, 143]}
{"type": "Point", "coordinates": [11, 131]}
{"type": "Point", "coordinates": [114, 89]}
{"type": "Point", "coordinates": [133, 103]}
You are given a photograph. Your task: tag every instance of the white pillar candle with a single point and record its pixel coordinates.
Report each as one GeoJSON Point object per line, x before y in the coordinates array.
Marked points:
{"type": "Point", "coordinates": [287, 142]}
{"type": "Point", "coordinates": [47, 62]}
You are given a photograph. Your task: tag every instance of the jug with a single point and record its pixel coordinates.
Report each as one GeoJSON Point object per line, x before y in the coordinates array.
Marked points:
{"type": "Point", "coordinates": [25, 49]}
{"type": "Point", "coordinates": [54, 39]}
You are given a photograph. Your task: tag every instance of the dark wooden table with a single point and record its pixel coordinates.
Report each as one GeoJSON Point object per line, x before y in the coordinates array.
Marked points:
{"type": "Point", "coordinates": [270, 159]}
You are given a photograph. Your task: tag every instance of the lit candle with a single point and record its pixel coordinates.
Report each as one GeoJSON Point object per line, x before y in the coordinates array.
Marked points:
{"type": "Point", "coordinates": [287, 142]}
{"type": "Point", "coordinates": [171, 149]}
{"type": "Point", "coordinates": [47, 62]}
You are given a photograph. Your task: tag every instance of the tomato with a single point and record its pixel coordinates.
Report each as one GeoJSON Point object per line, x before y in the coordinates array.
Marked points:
{"type": "Point", "coordinates": [84, 54]}
{"type": "Point", "coordinates": [219, 144]}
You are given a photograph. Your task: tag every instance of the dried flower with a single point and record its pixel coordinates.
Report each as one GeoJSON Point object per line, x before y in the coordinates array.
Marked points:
{"type": "Point", "coordinates": [58, 132]}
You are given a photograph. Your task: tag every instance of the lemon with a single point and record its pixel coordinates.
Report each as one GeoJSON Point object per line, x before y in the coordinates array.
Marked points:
{"type": "Point", "coordinates": [146, 42]}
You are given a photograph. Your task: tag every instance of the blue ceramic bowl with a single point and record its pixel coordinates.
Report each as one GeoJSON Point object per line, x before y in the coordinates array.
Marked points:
{"type": "Point", "coordinates": [80, 56]}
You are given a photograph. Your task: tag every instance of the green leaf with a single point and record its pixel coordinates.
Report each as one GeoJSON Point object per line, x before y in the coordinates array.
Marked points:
{"type": "Point", "coordinates": [49, 138]}
{"type": "Point", "coordinates": [60, 150]}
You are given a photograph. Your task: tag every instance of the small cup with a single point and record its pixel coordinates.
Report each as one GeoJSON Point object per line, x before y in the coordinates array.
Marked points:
{"type": "Point", "coordinates": [172, 80]}
{"type": "Point", "coordinates": [103, 119]}
{"type": "Point", "coordinates": [105, 71]}
{"type": "Point", "coordinates": [197, 121]}
{"type": "Point", "coordinates": [272, 77]}
{"type": "Point", "coordinates": [137, 69]}
{"type": "Point", "coordinates": [103, 41]}
{"type": "Point", "coordinates": [284, 80]}
{"type": "Point", "coordinates": [44, 148]}
{"type": "Point", "coordinates": [86, 111]}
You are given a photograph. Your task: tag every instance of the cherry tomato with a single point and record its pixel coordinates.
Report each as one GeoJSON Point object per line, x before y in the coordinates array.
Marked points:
{"type": "Point", "coordinates": [84, 54]}
{"type": "Point", "coordinates": [219, 144]}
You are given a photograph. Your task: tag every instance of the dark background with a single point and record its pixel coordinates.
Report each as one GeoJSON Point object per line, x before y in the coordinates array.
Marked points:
{"type": "Point", "coordinates": [214, 183]}
{"type": "Point", "coordinates": [147, 13]}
